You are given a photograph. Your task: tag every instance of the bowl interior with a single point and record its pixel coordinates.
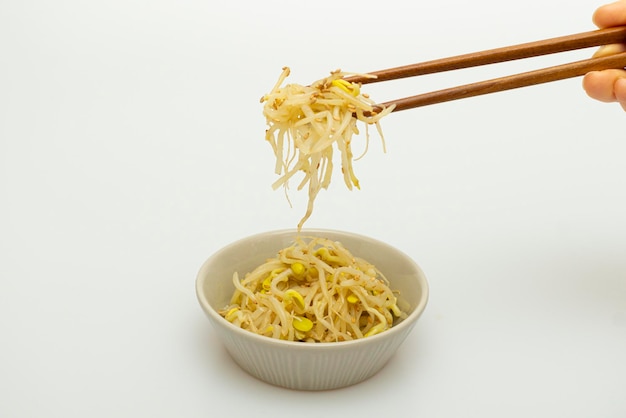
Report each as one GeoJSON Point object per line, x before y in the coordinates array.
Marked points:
{"type": "Point", "coordinates": [215, 286]}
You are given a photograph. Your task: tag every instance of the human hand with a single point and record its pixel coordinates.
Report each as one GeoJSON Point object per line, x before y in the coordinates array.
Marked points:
{"type": "Point", "coordinates": [608, 85]}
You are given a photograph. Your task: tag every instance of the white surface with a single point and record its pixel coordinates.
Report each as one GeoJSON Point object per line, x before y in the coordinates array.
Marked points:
{"type": "Point", "coordinates": [131, 148]}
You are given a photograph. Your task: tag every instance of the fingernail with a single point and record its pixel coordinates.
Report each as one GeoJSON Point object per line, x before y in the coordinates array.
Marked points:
{"type": "Point", "coordinates": [607, 50]}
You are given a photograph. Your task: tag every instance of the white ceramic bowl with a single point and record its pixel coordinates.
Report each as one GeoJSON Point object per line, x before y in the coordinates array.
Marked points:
{"type": "Point", "coordinates": [299, 365]}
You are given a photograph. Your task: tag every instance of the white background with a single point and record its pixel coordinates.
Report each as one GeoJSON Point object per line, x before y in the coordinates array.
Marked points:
{"type": "Point", "coordinates": [132, 147]}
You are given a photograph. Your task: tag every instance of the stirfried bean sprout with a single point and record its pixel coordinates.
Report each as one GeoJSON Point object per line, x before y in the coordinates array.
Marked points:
{"type": "Point", "coordinates": [314, 291]}
{"type": "Point", "coordinates": [305, 122]}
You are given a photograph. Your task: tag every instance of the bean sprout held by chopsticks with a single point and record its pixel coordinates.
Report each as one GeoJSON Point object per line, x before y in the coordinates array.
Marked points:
{"type": "Point", "coordinates": [306, 122]}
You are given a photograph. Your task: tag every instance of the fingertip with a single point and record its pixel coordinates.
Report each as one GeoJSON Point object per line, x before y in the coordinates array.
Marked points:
{"type": "Point", "coordinates": [590, 83]}
{"type": "Point", "coordinates": [601, 85]}
{"type": "Point", "coordinates": [611, 14]}
{"type": "Point", "coordinates": [595, 17]}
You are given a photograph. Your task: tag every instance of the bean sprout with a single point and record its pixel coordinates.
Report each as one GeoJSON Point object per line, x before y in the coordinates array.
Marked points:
{"type": "Point", "coordinates": [305, 122]}
{"type": "Point", "coordinates": [314, 291]}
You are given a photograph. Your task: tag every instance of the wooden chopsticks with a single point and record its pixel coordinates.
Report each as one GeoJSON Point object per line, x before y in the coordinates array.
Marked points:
{"type": "Point", "coordinates": [599, 37]}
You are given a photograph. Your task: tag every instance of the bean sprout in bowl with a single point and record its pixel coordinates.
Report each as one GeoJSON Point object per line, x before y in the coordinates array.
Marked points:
{"type": "Point", "coordinates": [309, 365]}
